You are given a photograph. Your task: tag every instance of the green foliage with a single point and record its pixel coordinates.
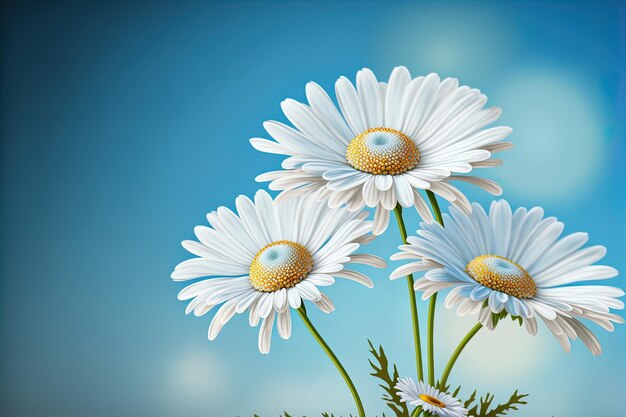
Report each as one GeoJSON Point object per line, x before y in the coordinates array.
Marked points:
{"type": "Point", "coordinates": [496, 317]}
{"type": "Point", "coordinates": [484, 407]}
{"type": "Point", "coordinates": [286, 414]}
{"type": "Point", "coordinates": [324, 414]}
{"type": "Point", "coordinates": [477, 407]}
{"type": "Point", "coordinates": [381, 371]}
{"type": "Point", "coordinates": [470, 400]}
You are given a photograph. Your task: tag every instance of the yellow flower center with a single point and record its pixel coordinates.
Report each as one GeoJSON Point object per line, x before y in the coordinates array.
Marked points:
{"type": "Point", "coordinates": [281, 264]}
{"type": "Point", "coordinates": [502, 274]}
{"type": "Point", "coordinates": [432, 400]}
{"type": "Point", "coordinates": [382, 150]}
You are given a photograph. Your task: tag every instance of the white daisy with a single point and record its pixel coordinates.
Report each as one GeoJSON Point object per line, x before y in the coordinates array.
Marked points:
{"type": "Point", "coordinates": [387, 142]}
{"type": "Point", "coordinates": [516, 262]}
{"type": "Point", "coordinates": [429, 398]}
{"type": "Point", "coordinates": [269, 257]}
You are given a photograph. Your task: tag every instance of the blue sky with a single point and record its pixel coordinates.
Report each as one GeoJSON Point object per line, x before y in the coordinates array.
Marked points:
{"type": "Point", "coordinates": [123, 123]}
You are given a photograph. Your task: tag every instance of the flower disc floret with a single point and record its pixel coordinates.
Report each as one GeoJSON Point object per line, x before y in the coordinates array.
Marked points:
{"type": "Point", "coordinates": [281, 264]}
{"type": "Point", "coordinates": [432, 400]}
{"type": "Point", "coordinates": [502, 274]}
{"type": "Point", "coordinates": [382, 151]}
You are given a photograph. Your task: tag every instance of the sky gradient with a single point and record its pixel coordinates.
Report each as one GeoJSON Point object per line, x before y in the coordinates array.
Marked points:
{"type": "Point", "coordinates": [123, 123]}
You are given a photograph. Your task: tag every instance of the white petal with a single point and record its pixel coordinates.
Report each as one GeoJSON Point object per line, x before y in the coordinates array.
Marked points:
{"type": "Point", "coordinates": [284, 324]}
{"type": "Point", "coordinates": [371, 194]}
{"type": "Point", "coordinates": [383, 182]}
{"type": "Point", "coordinates": [399, 79]}
{"type": "Point", "coordinates": [381, 220]}
{"type": "Point", "coordinates": [267, 214]}
{"type": "Point", "coordinates": [355, 276]}
{"type": "Point", "coordinates": [308, 291]}
{"type": "Point", "coordinates": [223, 315]}
{"type": "Point", "coordinates": [422, 208]}
{"type": "Point", "coordinates": [404, 192]}
{"type": "Point", "coordinates": [324, 108]}
{"type": "Point", "coordinates": [371, 97]}
{"type": "Point", "coordinates": [388, 199]}
{"type": "Point", "coordinates": [293, 295]}
{"type": "Point", "coordinates": [350, 105]}
{"type": "Point", "coordinates": [487, 185]}
{"type": "Point", "coordinates": [265, 334]}
{"type": "Point", "coordinates": [370, 260]}
{"type": "Point", "coordinates": [280, 300]}
{"type": "Point", "coordinates": [266, 304]}
{"type": "Point", "coordinates": [325, 304]}
{"type": "Point", "coordinates": [269, 146]}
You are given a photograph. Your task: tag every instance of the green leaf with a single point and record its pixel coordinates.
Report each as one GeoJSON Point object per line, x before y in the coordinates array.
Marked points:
{"type": "Point", "coordinates": [496, 317]}
{"type": "Point", "coordinates": [381, 371]}
{"type": "Point", "coordinates": [470, 400]}
{"type": "Point", "coordinates": [484, 409]}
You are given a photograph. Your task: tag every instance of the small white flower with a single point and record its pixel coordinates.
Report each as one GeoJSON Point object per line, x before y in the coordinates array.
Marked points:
{"type": "Point", "coordinates": [387, 142]}
{"type": "Point", "coordinates": [517, 262]}
{"type": "Point", "coordinates": [269, 257]}
{"type": "Point", "coordinates": [429, 398]}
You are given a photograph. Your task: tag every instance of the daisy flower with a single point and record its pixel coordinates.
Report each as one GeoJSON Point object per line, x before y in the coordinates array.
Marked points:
{"type": "Point", "coordinates": [387, 141]}
{"type": "Point", "coordinates": [429, 398]}
{"type": "Point", "coordinates": [516, 262]}
{"type": "Point", "coordinates": [269, 257]}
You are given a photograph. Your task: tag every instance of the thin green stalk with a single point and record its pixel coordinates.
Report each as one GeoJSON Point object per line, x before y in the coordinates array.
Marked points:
{"type": "Point", "coordinates": [414, 317]}
{"type": "Point", "coordinates": [333, 358]}
{"type": "Point", "coordinates": [433, 301]}
{"type": "Point", "coordinates": [433, 202]}
{"type": "Point", "coordinates": [431, 327]}
{"type": "Point", "coordinates": [417, 411]}
{"type": "Point", "coordinates": [457, 352]}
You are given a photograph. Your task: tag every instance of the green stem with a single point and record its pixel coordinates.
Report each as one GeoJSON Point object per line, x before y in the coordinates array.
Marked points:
{"type": "Point", "coordinates": [433, 202]}
{"type": "Point", "coordinates": [417, 411]}
{"type": "Point", "coordinates": [333, 358]}
{"type": "Point", "coordinates": [433, 300]}
{"type": "Point", "coordinates": [413, 301]}
{"type": "Point", "coordinates": [457, 352]}
{"type": "Point", "coordinates": [431, 327]}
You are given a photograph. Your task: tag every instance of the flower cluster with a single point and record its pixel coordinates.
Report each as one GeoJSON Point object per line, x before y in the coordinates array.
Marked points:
{"type": "Point", "coordinates": [387, 146]}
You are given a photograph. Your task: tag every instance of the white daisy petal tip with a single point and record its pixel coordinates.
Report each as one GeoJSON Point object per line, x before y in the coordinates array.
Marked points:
{"type": "Point", "coordinates": [409, 135]}
{"type": "Point", "coordinates": [518, 263]}
{"type": "Point", "coordinates": [371, 260]}
{"type": "Point", "coordinates": [264, 255]}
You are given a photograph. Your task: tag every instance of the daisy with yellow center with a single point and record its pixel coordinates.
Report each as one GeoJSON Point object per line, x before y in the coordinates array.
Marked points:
{"type": "Point", "coordinates": [385, 143]}
{"type": "Point", "coordinates": [517, 264]}
{"type": "Point", "coordinates": [433, 401]}
{"type": "Point", "coordinates": [269, 257]}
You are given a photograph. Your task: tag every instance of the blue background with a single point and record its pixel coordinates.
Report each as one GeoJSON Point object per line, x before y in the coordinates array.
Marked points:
{"type": "Point", "coordinates": [124, 123]}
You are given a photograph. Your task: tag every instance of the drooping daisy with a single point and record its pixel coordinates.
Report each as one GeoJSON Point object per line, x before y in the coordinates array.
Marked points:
{"type": "Point", "coordinates": [387, 142]}
{"type": "Point", "coordinates": [429, 398]}
{"type": "Point", "coordinates": [269, 257]}
{"type": "Point", "coordinates": [517, 262]}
